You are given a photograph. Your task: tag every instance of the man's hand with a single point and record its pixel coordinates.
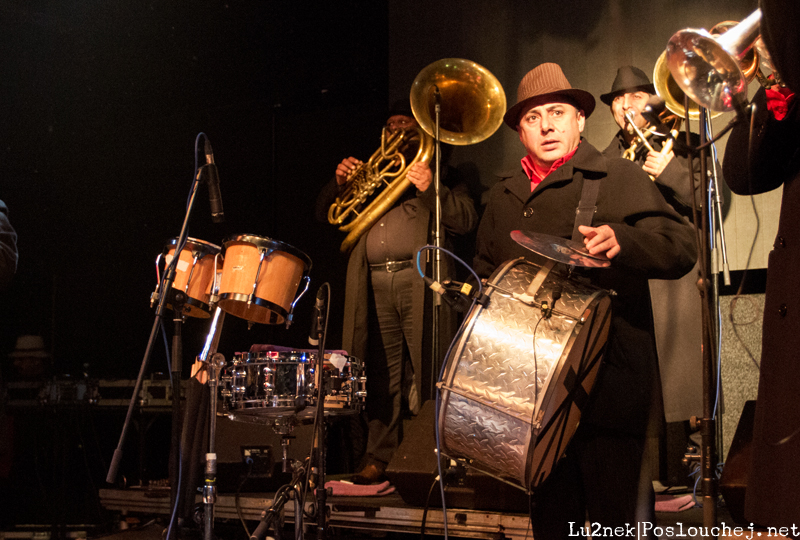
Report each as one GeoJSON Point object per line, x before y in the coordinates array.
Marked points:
{"type": "Point", "coordinates": [420, 175]}
{"type": "Point", "coordinates": [344, 168]}
{"type": "Point", "coordinates": [656, 162]}
{"type": "Point", "coordinates": [600, 240]}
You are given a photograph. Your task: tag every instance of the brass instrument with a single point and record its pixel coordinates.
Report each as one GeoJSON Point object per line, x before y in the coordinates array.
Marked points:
{"type": "Point", "coordinates": [472, 107]}
{"type": "Point", "coordinates": [672, 94]}
{"type": "Point", "coordinates": [385, 173]}
{"type": "Point", "coordinates": [642, 136]}
{"type": "Point", "coordinates": [709, 68]}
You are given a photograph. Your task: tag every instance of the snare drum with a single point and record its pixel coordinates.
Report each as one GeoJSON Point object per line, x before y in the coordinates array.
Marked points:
{"type": "Point", "coordinates": [264, 385]}
{"type": "Point", "coordinates": [260, 278]}
{"type": "Point", "coordinates": [516, 380]}
{"type": "Point", "coordinates": [194, 275]}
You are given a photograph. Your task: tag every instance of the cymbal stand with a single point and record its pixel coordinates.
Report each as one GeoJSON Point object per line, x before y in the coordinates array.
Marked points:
{"type": "Point", "coordinates": [160, 296]}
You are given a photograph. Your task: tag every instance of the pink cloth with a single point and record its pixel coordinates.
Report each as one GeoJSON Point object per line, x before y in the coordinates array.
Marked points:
{"type": "Point", "coordinates": [338, 487]}
{"type": "Point", "coordinates": [668, 503]}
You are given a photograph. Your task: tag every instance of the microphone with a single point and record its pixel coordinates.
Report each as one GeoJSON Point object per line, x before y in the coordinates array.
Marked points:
{"type": "Point", "coordinates": [655, 106]}
{"type": "Point", "coordinates": [317, 318]}
{"type": "Point", "coordinates": [457, 295]}
{"type": "Point", "coordinates": [212, 177]}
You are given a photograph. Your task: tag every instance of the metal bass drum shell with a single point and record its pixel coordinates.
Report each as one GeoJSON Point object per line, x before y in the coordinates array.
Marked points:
{"type": "Point", "coordinates": [515, 381]}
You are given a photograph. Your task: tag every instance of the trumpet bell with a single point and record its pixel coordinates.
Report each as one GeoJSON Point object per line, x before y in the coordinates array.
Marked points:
{"type": "Point", "coordinates": [672, 94]}
{"type": "Point", "coordinates": [472, 101]}
{"type": "Point", "coordinates": [707, 68]}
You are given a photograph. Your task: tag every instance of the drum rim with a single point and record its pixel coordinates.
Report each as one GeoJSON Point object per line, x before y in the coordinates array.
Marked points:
{"type": "Point", "coordinates": [252, 358]}
{"type": "Point", "coordinates": [209, 248]}
{"type": "Point", "coordinates": [265, 241]}
{"type": "Point", "coordinates": [260, 302]}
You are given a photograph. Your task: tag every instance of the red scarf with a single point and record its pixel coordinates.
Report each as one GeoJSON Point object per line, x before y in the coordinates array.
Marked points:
{"type": "Point", "coordinates": [535, 174]}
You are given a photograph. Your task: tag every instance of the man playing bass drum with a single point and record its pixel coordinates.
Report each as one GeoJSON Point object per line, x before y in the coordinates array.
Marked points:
{"type": "Point", "coordinates": [386, 312]}
{"type": "Point", "coordinates": [643, 237]}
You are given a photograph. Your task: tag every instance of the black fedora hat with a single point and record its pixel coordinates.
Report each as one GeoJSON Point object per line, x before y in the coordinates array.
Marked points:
{"type": "Point", "coordinates": [543, 83]}
{"type": "Point", "coordinates": [628, 79]}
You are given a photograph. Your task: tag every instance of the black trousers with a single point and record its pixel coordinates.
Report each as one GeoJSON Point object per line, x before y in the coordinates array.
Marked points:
{"type": "Point", "coordinates": [599, 479]}
{"type": "Point", "coordinates": [391, 326]}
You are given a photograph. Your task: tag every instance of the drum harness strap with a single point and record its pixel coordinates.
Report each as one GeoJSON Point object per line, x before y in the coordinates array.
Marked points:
{"type": "Point", "coordinates": [584, 214]}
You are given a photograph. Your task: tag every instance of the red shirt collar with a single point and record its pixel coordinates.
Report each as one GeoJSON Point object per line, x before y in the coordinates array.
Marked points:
{"type": "Point", "coordinates": [535, 174]}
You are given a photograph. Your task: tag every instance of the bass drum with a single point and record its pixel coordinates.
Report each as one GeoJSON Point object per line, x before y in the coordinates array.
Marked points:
{"type": "Point", "coordinates": [516, 380]}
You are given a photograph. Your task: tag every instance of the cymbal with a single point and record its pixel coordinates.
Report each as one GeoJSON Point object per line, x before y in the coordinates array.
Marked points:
{"type": "Point", "coordinates": [559, 249]}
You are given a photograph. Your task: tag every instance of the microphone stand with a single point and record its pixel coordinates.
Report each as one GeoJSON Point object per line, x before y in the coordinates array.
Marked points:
{"type": "Point", "coordinates": [707, 424]}
{"type": "Point", "coordinates": [319, 423]}
{"type": "Point", "coordinates": [214, 365]}
{"type": "Point", "coordinates": [166, 286]}
{"type": "Point", "coordinates": [437, 241]}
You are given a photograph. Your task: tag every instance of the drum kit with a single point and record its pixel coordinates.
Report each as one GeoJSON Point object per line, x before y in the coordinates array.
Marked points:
{"type": "Point", "coordinates": [260, 280]}
{"type": "Point", "coordinates": [257, 279]}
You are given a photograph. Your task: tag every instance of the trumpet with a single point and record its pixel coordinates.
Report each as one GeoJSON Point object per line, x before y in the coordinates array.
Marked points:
{"type": "Point", "coordinates": [709, 69]}
{"type": "Point", "coordinates": [643, 135]}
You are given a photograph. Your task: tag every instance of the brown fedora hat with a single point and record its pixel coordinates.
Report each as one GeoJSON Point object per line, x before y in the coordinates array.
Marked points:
{"type": "Point", "coordinates": [628, 79]}
{"type": "Point", "coordinates": [541, 83]}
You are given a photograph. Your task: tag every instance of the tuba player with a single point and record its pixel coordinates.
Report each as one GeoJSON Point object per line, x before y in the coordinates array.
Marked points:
{"type": "Point", "coordinates": [385, 315]}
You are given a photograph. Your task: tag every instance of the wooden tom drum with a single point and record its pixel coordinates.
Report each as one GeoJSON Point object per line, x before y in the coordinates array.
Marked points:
{"type": "Point", "coordinates": [260, 278]}
{"type": "Point", "coordinates": [194, 275]}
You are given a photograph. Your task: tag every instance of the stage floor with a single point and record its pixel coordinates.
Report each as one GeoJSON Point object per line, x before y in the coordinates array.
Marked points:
{"type": "Point", "coordinates": [389, 517]}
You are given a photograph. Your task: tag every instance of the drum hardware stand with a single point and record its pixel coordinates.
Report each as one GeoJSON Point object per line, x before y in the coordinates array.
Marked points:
{"type": "Point", "coordinates": [321, 326]}
{"type": "Point", "coordinates": [169, 279]}
{"type": "Point", "coordinates": [210, 486]}
{"type": "Point", "coordinates": [178, 300]}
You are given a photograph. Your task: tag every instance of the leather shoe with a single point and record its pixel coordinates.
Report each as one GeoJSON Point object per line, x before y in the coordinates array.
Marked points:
{"type": "Point", "coordinates": [371, 474]}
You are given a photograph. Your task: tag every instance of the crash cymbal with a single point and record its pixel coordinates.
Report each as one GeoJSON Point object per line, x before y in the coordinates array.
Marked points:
{"type": "Point", "coordinates": [559, 249]}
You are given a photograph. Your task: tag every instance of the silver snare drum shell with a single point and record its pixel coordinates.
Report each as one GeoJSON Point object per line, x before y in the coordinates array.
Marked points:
{"type": "Point", "coordinates": [261, 386]}
{"type": "Point", "coordinates": [515, 381]}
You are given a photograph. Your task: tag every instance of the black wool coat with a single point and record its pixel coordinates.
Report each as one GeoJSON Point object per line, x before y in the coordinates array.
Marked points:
{"type": "Point", "coordinates": [773, 488]}
{"type": "Point", "coordinates": [655, 243]}
{"type": "Point", "coordinates": [676, 303]}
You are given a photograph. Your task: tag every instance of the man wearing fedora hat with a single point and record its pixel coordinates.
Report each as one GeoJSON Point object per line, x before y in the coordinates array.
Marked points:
{"type": "Point", "coordinates": [676, 303]}
{"type": "Point", "coordinates": [643, 237]}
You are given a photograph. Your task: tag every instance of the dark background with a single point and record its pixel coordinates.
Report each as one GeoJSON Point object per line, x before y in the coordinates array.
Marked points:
{"type": "Point", "coordinates": [102, 104]}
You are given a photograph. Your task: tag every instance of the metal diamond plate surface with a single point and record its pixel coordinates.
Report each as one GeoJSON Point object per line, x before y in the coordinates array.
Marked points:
{"type": "Point", "coordinates": [498, 373]}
